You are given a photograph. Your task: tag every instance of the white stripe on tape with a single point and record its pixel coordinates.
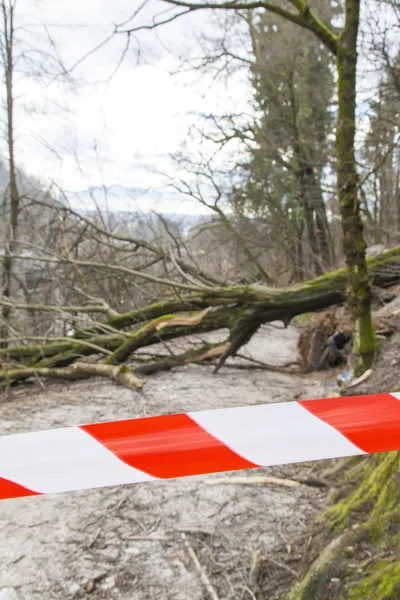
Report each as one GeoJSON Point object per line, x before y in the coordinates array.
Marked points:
{"type": "Point", "coordinates": [275, 434]}
{"type": "Point", "coordinates": [60, 460]}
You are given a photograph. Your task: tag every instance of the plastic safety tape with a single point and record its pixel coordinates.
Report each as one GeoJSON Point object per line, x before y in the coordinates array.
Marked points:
{"type": "Point", "coordinates": [194, 443]}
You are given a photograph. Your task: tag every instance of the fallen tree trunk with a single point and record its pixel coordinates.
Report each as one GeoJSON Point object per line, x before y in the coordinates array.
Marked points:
{"type": "Point", "coordinates": [138, 338]}
{"type": "Point", "coordinates": [316, 294]}
{"type": "Point", "coordinates": [121, 374]}
{"type": "Point", "coordinates": [146, 336]}
{"type": "Point", "coordinates": [241, 309]}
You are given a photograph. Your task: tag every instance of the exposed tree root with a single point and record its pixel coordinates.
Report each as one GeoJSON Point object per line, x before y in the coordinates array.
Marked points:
{"type": "Point", "coordinates": [324, 573]}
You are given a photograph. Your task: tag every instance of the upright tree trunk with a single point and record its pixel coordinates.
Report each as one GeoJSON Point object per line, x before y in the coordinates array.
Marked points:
{"type": "Point", "coordinates": [321, 221]}
{"type": "Point", "coordinates": [359, 292]}
{"type": "Point", "coordinates": [302, 175]}
{"type": "Point", "coordinates": [297, 253]}
{"type": "Point", "coordinates": [320, 225]}
{"type": "Point", "coordinates": [11, 232]}
{"type": "Point", "coordinates": [315, 262]}
{"type": "Point", "coordinates": [309, 218]}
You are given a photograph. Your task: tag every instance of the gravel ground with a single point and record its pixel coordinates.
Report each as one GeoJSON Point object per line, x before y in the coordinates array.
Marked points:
{"type": "Point", "coordinates": [131, 542]}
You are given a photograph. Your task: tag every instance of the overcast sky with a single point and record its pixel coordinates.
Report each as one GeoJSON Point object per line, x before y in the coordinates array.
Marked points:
{"type": "Point", "coordinates": [104, 131]}
{"type": "Point", "coordinates": [118, 131]}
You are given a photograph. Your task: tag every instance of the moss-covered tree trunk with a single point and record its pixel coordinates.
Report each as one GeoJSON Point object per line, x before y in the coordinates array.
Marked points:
{"type": "Point", "coordinates": [241, 309]}
{"type": "Point", "coordinates": [359, 293]}
{"type": "Point", "coordinates": [358, 547]}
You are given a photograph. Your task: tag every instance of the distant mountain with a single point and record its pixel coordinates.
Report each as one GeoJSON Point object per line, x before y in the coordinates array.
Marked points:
{"type": "Point", "coordinates": [135, 210]}
{"type": "Point", "coordinates": [146, 225]}
{"type": "Point", "coordinates": [25, 181]}
{"type": "Point", "coordinates": [28, 186]}
{"type": "Point", "coordinates": [4, 176]}
{"type": "Point", "coordinates": [117, 198]}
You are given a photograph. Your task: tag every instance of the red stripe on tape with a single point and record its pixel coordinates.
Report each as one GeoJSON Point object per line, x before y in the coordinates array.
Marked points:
{"type": "Point", "coordinates": [166, 447]}
{"type": "Point", "coordinates": [9, 489]}
{"type": "Point", "coordinates": [370, 422]}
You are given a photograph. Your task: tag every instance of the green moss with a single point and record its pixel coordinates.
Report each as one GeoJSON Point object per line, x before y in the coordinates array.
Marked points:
{"type": "Point", "coordinates": [240, 315]}
{"type": "Point", "coordinates": [136, 338]}
{"type": "Point", "coordinates": [26, 351]}
{"type": "Point", "coordinates": [375, 262]}
{"type": "Point", "coordinates": [377, 492]}
{"type": "Point", "coordinates": [65, 358]}
{"type": "Point", "coordinates": [304, 318]}
{"type": "Point", "coordinates": [382, 583]}
{"type": "Point", "coordinates": [369, 516]}
{"type": "Point", "coordinates": [152, 311]}
{"type": "Point", "coordinates": [329, 565]}
{"type": "Point", "coordinates": [365, 342]}
{"type": "Point", "coordinates": [338, 276]}
{"type": "Point", "coordinates": [148, 334]}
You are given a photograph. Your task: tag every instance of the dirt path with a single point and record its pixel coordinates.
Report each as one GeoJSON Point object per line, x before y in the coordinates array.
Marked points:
{"type": "Point", "coordinates": [126, 543]}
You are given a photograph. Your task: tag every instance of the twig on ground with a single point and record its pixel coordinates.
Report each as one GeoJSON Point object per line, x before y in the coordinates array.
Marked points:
{"type": "Point", "coordinates": [94, 538]}
{"type": "Point", "coordinates": [204, 578]}
{"type": "Point", "coordinates": [249, 591]}
{"type": "Point", "coordinates": [278, 368]}
{"type": "Point", "coordinates": [255, 573]}
{"type": "Point", "coordinates": [359, 380]}
{"type": "Point", "coordinates": [253, 481]}
{"type": "Point", "coordinates": [313, 482]}
{"type": "Point", "coordinates": [281, 565]}
{"type": "Point", "coordinates": [334, 469]}
{"type": "Point", "coordinates": [148, 538]}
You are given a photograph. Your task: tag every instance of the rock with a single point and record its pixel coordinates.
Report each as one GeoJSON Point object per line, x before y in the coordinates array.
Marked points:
{"type": "Point", "coordinates": [8, 594]}
{"type": "Point", "coordinates": [89, 587]}
{"type": "Point", "coordinates": [74, 590]}
{"type": "Point", "coordinates": [109, 583]}
{"type": "Point", "coordinates": [132, 550]}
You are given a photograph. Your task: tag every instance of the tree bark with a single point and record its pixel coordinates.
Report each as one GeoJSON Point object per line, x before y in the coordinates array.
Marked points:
{"type": "Point", "coordinates": [321, 222]}
{"type": "Point", "coordinates": [316, 219]}
{"type": "Point", "coordinates": [302, 175]}
{"type": "Point", "coordinates": [354, 246]}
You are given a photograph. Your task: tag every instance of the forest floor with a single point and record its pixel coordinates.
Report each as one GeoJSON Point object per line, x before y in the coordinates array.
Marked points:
{"type": "Point", "coordinates": [126, 542]}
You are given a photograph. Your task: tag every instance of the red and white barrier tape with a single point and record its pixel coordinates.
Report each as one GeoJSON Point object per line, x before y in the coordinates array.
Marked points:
{"type": "Point", "coordinates": [153, 448]}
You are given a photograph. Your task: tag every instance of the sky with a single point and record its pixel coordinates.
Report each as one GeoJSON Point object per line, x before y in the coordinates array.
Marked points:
{"type": "Point", "coordinates": [107, 128]}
